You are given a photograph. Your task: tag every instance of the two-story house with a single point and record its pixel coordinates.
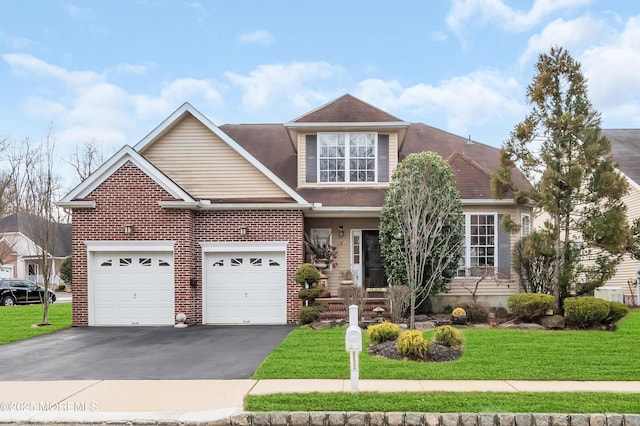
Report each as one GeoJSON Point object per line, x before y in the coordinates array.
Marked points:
{"type": "Point", "coordinates": [210, 221]}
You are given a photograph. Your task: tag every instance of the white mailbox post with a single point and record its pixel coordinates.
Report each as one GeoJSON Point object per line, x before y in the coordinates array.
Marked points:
{"type": "Point", "coordinates": [353, 344]}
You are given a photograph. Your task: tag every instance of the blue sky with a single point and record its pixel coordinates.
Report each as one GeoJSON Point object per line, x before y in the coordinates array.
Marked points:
{"type": "Point", "coordinates": [110, 71]}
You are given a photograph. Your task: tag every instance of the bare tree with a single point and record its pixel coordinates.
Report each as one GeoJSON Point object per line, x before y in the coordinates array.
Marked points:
{"type": "Point", "coordinates": [35, 188]}
{"type": "Point", "coordinates": [86, 158]}
{"type": "Point", "coordinates": [421, 226]}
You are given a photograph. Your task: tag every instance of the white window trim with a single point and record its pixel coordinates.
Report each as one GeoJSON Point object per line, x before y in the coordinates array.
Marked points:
{"type": "Point", "coordinates": [467, 243]}
{"type": "Point", "coordinates": [522, 228]}
{"type": "Point", "coordinates": [347, 170]}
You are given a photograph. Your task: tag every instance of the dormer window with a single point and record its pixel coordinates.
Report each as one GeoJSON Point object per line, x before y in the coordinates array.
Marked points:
{"type": "Point", "coordinates": [347, 158]}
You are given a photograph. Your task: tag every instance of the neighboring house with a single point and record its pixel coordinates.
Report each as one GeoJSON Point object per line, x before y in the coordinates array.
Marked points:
{"type": "Point", "coordinates": [21, 242]}
{"type": "Point", "coordinates": [625, 144]}
{"type": "Point", "coordinates": [210, 221]}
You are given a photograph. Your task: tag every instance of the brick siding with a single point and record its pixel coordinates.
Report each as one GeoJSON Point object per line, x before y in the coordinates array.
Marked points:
{"type": "Point", "coordinates": [130, 197]}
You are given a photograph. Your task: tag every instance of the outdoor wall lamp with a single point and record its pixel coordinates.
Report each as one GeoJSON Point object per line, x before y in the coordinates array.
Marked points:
{"type": "Point", "coordinates": [242, 231]}
{"type": "Point", "coordinates": [128, 229]}
{"type": "Point", "coordinates": [341, 231]}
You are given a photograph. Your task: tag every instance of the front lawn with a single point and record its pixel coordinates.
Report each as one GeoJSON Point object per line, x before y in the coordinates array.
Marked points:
{"type": "Point", "coordinates": [16, 321]}
{"type": "Point", "coordinates": [489, 354]}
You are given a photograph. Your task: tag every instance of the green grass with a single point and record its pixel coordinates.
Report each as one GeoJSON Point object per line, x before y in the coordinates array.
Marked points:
{"type": "Point", "coordinates": [444, 402]}
{"type": "Point", "coordinates": [17, 321]}
{"type": "Point", "coordinates": [489, 354]}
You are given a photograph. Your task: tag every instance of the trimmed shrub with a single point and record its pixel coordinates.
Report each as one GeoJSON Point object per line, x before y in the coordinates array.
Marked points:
{"type": "Point", "coordinates": [585, 311]}
{"type": "Point", "coordinates": [383, 332]}
{"type": "Point", "coordinates": [530, 306]}
{"type": "Point", "coordinates": [617, 311]}
{"type": "Point", "coordinates": [311, 293]}
{"type": "Point", "coordinates": [476, 313]}
{"type": "Point", "coordinates": [448, 336]}
{"type": "Point", "coordinates": [308, 314]}
{"type": "Point", "coordinates": [411, 344]}
{"type": "Point", "coordinates": [307, 274]}
{"type": "Point", "coordinates": [459, 312]}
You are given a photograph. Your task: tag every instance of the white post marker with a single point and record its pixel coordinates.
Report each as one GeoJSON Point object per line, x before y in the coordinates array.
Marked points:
{"type": "Point", "coordinates": [353, 344]}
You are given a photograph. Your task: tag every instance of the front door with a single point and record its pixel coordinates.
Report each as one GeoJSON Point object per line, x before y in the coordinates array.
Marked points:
{"type": "Point", "coordinates": [374, 276]}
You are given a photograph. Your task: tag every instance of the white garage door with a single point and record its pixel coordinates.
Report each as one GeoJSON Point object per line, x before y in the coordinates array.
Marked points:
{"type": "Point", "coordinates": [133, 288]}
{"type": "Point", "coordinates": [246, 288]}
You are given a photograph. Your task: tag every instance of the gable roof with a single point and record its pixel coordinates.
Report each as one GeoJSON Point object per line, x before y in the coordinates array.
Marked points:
{"type": "Point", "coordinates": [187, 109]}
{"type": "Point", "coordinates": [346, 109]}
{"type": "Point", "coordinates": [29, 225]}
{"type": "Point", "coordinates": [125, 154]}
{"type": "Point", "coordinates": [625, 145]}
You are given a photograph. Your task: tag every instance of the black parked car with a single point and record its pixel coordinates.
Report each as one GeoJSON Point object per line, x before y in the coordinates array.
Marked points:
{"type": "Point", "coordinates": [14, 291]}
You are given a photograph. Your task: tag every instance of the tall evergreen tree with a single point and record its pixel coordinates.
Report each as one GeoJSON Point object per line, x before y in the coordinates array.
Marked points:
{"type": "Point", "coordinates": [561, 151]}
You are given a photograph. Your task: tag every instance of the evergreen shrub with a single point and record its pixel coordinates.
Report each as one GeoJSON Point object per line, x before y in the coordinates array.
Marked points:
{"type": "Point", "coordinates": [383, 332]}
{"type": "Point", "coordinates": [411, 344]}
{"type": "Point", "coordinates": [585, 311]}
{"type": "Point", "coordinates": [530, 306]}
{"type": "Point", "coordinates": [448, 336]}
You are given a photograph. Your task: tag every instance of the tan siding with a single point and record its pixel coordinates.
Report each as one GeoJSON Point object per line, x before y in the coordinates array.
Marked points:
{"type": "Point", "coordinates": [627, 269]}
{"type": "Point", "coordinates": [342, 244]}
{"type": "Point", "coordinates": [206, 166]}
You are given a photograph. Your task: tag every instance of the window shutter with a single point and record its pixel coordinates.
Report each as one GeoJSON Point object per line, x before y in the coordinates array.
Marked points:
{"type": "Point", "coordinates": [504, 251]}
{"type": "Point", "coordinates": [312, 158]}
{"type": "Point", "coordinates": [383, 158]}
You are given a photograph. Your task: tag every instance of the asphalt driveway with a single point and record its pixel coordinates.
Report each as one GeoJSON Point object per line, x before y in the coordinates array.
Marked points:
{"type": "Point", "coordinates": [141, 353]}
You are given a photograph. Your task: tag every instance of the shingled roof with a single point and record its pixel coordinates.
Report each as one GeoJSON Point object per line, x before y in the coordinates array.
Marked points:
{"type": "Point", "coordinates": [625, 145]}
{"type": "Point", "coordinates": [346, 109]}
{"type": "Point", "coordinates": [472, 162]}
{"type": "Point", "coordinates": [29, 225]}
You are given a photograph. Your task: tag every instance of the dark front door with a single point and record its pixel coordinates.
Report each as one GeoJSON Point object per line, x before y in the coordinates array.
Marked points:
{"type": "Point", "coordinates": [374, 276]}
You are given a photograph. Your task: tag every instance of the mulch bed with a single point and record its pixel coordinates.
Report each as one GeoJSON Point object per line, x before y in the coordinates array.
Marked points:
{"type": "Point", "coordinates": [436, 352]}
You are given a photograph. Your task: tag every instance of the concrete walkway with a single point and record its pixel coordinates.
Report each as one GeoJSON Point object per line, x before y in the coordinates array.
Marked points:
{"type": "Point", "coordinates": [208, 400]}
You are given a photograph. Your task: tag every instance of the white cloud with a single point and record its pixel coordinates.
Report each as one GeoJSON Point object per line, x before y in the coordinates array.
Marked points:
{"type": "Point", "coordinates": [76, 12]}
{"type": "Point", "coordinates": [465, 102]}
{"type": "Point", "coordinates": [175, 94]}
{"type": "Point", "coordinates": [133, 69]}
{"type": "Point", "coordinates": [259, 37]}
{"type": "Point", "coordinates": [612, 70]}
{"type": "Point", "coordinates": [498, 13]}
{"type": "Point", "coordinates": [203, 13]}
{"type": "Point", "coordinates": [22, 63]}
{"type": "Point", "coordinates": [574, 34]}
{"type": "Point", "coordinates": [292, 82]}
{"type": "Point", "coordinates": [85, 105]}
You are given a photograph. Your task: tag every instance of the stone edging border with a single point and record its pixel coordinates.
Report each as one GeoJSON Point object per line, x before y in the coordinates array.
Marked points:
{"type": "Point", "coordinates": [340, 418]}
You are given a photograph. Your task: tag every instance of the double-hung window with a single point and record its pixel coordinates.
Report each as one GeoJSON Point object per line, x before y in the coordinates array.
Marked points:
{"type": "Point", "coordinates": [347, 157]}
{"type": "Point", "coordinates": [480, 245]}
{"type": "Point", "coordinates": [525, 224]}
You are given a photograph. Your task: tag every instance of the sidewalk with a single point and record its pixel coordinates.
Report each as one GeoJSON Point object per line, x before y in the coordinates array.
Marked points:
{"type": "Point", "coordinates": [209, 400]}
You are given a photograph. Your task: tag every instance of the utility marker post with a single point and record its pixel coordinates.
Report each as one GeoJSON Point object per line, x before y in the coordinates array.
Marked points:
{"type": "Point", "coordinates": [353, 344]}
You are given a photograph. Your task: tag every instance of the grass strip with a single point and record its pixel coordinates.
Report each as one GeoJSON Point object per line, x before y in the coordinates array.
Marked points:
{"type": "Point", "coordinates": [448, 402]}
{"type": "Point", "coordinates": [17, 321]}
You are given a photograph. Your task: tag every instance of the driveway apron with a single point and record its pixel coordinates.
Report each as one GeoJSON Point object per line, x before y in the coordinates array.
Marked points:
{"type": "Point", "coordinates": [142, 353]}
